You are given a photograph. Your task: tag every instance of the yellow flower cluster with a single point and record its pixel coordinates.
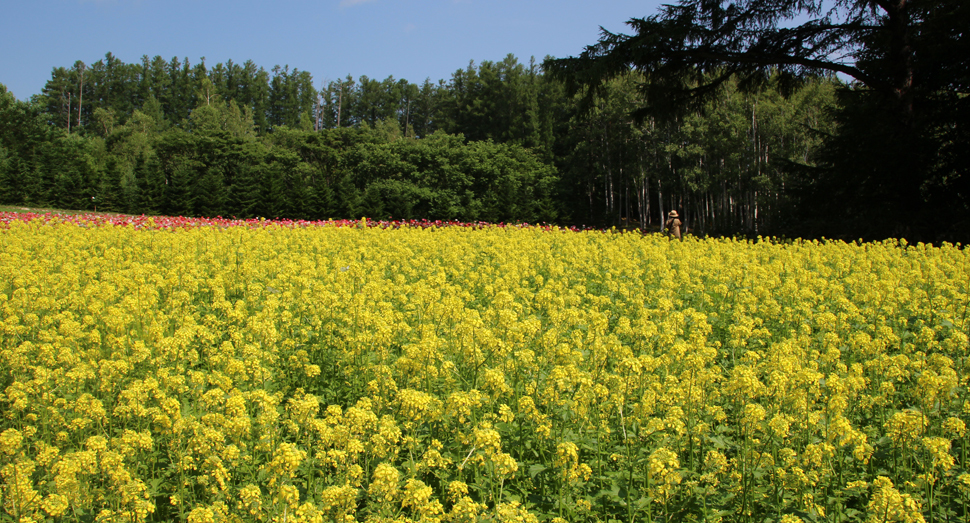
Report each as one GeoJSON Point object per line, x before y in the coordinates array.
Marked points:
{"type": "Point", "coordinates": [493, 374]}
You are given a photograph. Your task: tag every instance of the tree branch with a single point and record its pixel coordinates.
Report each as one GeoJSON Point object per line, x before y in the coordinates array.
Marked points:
{"type": "Point", "coordinates": [776, 59]}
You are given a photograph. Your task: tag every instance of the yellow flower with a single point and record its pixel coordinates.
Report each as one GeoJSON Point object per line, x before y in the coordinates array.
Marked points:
{"type": "Point", "coordinates": [939, 451]}
{"type": "Point", "coordinates": [417, 496]}
{"type": "Point", "coordinates": [955, 427]}
{"type": "Point", "coordinates": [55, 504]}
{"type": "Point", "coordinates": [906, 426]}
{"type": "Point", "coordinates": [126, 349]}
{"type": "Point", "coordinates": [888, 505]}
{"type": "Point", "coordinates": [505, 465]}
{"type": "Point", "coordinates": [339, 501]}
{"type": "Point", "coordinates": [385, 484]}
{"type": "Point", "coordinates": [663, 467]}
{"type": "Point", "coordinates": [202, 515]}
{"type": "Point", "coordinates": [10, 441]}
{"type": "Point", "coordinates": [250, 499]}
{"type": "Point", "coordinates": [513, 512]}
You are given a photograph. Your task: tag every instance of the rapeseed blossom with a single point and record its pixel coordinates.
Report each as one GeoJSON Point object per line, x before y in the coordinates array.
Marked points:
{"type": "Point", "coordinates": [193, 370]}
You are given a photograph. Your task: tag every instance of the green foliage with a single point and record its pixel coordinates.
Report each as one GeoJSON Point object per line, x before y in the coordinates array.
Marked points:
{"type": "Point", "coordinates": [399, 150]}
{"type": "Point", "coordinates": [443, 177]}
{"type": "Point", "coordinates": [751, 151]}
{"type": "Point", "coordinates": [892, 168]}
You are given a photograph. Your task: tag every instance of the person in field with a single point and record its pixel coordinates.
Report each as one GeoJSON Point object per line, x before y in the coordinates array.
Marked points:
{"type": "Point", "coordinates": [672, 225]}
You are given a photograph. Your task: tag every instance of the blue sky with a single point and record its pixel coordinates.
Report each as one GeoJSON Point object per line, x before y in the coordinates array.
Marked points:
{"type": "Point", "coordinates": [410, 39]}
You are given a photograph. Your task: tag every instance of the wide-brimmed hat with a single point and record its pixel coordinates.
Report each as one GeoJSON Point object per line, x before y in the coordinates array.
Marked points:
{"type": "Point", "coordinates": [673, 214]}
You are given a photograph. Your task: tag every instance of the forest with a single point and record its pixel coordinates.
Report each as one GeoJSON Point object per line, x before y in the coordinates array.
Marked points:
{"type": "Point", "coordinates": [769, 151]}
{"type": "Point", "coordinates": [499, 141]}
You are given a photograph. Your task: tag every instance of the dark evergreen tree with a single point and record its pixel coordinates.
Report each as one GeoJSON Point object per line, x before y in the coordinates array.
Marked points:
{"type": "Point", "coordinates": [273, 179]}
{"type": "Point", "coordinates": [321, 200]}
{"type": "Point", "coordinates": [151, 180]}
{"type": "Point", "coordinates": [423, 115]}
{"type": "Point", "coordinates": [372, 203]}
{"type": "Point", "coordinates": [65, 158]}
{"type": "Point", "coordinates": [256, 94]}
{"type": "Point", "coordinates": [179, 190]}
{"type": "Point", "coordinates": [12, 179]}
{"type": "Point", "coordinates": [153, 109]}
{"type": "Point", "coordinates": [209, 193]}
{"type": "Point", "coordinates": [298, 192]}
{"type": "Point", "coordinates": [25, 139]}
{"type": "Point", "coordinates": [58, 98]}
{"type": "Point", "coordinates": [348, 201]}
{"type": "Point", "coordinates": [246, 198]}
{"type": "Point", "coordinates": [110, 196]}
{"type": "Point", "coordinates": [893, 52]}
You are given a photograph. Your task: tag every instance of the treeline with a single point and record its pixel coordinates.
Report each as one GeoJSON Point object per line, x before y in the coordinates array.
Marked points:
{"type": "Point", "coordinates": [217, 166]}
{"type": "Point", "coordinates": [498, 141]}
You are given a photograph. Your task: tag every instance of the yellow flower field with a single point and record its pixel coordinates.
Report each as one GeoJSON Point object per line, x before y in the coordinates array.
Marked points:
{"type": "Point", "coordinates": [461, 374]}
